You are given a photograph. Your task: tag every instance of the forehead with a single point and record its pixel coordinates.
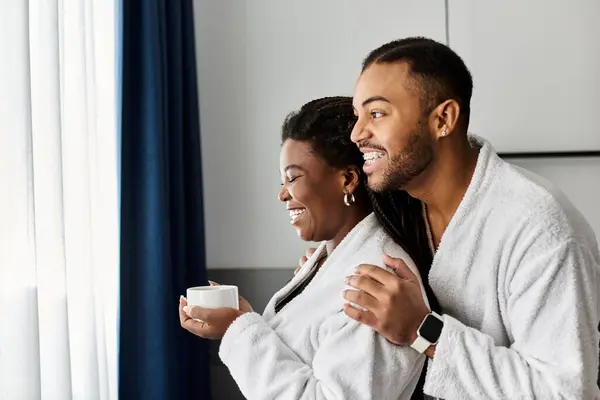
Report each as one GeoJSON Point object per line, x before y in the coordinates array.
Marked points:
{"type": "Point", "coordinates": [390, 80]}
{"type": "Point", "coordinates": [297, 152]}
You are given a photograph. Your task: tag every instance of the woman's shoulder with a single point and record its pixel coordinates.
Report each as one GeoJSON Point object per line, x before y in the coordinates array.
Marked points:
{"type": "Point", "coordinates": [384, 243]}
{"type": "Point", "coordinates": [381, 242]}
{"type": "Point", "coordinates": [367, 244]}
{"type": "Point", "coordinates": [393, 249]}
{"type": "Point", "coordinates": [379, 238]}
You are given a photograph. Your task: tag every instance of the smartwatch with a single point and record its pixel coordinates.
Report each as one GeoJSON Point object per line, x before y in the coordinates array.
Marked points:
{"type": "Point", "coordinates": [429, 332]}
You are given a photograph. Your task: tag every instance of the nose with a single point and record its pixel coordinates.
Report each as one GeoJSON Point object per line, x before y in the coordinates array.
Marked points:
{"type": "Point", "coordinates": [359, 133]}
{"type": "Point", "coordinates": [284, 194]}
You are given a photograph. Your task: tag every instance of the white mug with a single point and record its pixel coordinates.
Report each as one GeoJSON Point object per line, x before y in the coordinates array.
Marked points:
{"type": "Point", "coordinates": [214, 296]}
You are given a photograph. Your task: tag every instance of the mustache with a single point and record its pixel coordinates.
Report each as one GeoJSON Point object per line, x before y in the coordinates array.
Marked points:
{"type": "Point", "coordinates": [370, 145]}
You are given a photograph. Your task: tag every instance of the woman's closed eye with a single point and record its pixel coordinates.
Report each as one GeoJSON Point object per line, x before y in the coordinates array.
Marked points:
{"type": "Point", "coordinates": [289, 180]}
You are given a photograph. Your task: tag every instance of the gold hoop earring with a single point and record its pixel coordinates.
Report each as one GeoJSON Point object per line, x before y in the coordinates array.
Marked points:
{"type": "Point", "coordinates": [349, 199]}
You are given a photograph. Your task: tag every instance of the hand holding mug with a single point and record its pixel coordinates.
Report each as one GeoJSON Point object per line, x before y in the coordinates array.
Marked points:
{"type": "Point", "coordinates": [208, 311]}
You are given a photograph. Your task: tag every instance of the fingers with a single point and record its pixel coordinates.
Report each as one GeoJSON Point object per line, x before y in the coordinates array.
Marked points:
{"type": "Point", "coordinates": [309, 252]}
{"type": "Point", "coordinates": [361, 299]}
{"type": "Point", "coordinates": [201, 329]}
{"type": "Point", "coordinates": [245, 305]}
{"type": "Point", "coordinates": [365, 283]}
{"type": "Point", "coordinates": [197, 312]}
{"type": "Point", "coordinates": [214, 283]}
{"type": "Point", "coordinates": [182, 315]}
{"type": "Point", "coordinates": [208, 323]}
{"type": "Point", "coordinates": [399, 266]}
{"type": "Point", "coordinates": [364, 317]}
{"type": "Point", "coordinates": [375, 273]}
{"type": "Point", "coordinates": [188, 323]}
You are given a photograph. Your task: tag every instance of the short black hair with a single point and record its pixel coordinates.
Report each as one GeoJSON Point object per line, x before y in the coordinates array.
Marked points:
{"type": "Point", "coordinates": [440, 74]}
{"type": "Point", "coordinates": [326, 123]}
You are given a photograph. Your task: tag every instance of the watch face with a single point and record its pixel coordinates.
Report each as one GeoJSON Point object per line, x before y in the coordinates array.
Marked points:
{"type": "Point", "coordinates": [431, 329]}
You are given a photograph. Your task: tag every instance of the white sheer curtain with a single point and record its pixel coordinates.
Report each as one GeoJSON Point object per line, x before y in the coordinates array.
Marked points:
{"type": "Point", "coordinates": [58, 200]}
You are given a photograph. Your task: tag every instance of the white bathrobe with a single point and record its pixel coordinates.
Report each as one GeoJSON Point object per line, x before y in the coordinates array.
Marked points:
{"type": "Point", "coordinates": [311, 349]}
{"type": "Point", "coordinates": [517, 276]}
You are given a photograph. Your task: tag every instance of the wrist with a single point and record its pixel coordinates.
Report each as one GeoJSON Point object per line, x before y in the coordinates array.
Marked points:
{"type": "Point", "coordinates": [239, 314]}
{"type": "Point", "coordinates": [428, 333]}
{"type": "Point", "coordinates": [414, 335]}
{"type": "Point", "coordinates": [234, 317]}
{"type": "Point", "coordinates": [430, 352]}
{"type": "Point", "coordinates": [417, 324]}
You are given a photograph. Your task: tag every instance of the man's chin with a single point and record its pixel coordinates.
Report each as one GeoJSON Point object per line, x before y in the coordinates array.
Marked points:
{"type": "Point", "coordinates": [376, 183]}
{"type": "Point", "coordinates": [382, 184]}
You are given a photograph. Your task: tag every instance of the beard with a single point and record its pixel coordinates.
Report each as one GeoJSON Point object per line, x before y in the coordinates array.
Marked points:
{"type": "Point", "coordinates": [406, 166]}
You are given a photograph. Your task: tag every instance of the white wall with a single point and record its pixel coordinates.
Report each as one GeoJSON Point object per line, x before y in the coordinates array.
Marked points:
{"type": "Point", "coordinates": [259, 60]}
{"type": "Point", "coordinates": [536, 69]}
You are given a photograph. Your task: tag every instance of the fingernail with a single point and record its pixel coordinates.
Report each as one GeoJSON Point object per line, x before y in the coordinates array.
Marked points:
{"type": "Point", "coordinates": [180, 297]}
{"type": "Point", "coordinates": [186, 309]}
{"type": "Point", "coordinates": [347, 279]}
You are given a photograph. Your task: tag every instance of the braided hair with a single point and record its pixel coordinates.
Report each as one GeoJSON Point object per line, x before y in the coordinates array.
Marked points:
{"type": "Point", "coordinates": [326, 124]}
{"type": "Point", "coordinates": [402, 217]}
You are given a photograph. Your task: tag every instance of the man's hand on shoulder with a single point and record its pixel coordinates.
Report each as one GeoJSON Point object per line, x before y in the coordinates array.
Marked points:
{"type": "Point", "coordinates": [394, 303]}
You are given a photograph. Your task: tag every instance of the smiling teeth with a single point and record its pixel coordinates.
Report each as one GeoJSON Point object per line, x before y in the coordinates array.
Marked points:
{"type": "Point", "coordinates": [372, 156]}
{"type": "Point", "coordinates": [295, 214]}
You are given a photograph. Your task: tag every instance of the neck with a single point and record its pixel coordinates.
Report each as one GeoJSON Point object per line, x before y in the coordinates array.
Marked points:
{"type": "Point", "coordinates": [443, 185]}
{"type": "Point", "coordinates": [356, 213]}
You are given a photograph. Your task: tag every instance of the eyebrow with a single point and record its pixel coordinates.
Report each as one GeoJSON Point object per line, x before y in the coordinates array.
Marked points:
{"type": "Point", "coordinates": [292, 166]}
{"type": "Point", "coordinates": [374, 98]}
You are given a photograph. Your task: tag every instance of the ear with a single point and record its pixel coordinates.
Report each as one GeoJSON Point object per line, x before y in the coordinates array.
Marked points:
{"type": "Point", "coordinates": [445, 117]}
{"type": "Point", "coordinates": [350, 179]}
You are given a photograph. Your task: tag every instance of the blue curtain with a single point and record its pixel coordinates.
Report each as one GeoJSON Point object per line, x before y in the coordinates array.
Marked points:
{"type": "Point", "coordinates": [162, 226]}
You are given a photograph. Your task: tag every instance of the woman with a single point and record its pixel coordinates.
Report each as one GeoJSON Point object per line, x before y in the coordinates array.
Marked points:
{"type": "Point", "coordinates": [304, 346]}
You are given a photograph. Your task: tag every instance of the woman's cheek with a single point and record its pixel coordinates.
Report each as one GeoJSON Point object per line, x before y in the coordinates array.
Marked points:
{"type": "Point", "coordinates": [299, 193]}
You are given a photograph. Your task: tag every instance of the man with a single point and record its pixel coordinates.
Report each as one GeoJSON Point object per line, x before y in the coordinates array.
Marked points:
{"type": "Point", "coordinates": [515, 268]}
